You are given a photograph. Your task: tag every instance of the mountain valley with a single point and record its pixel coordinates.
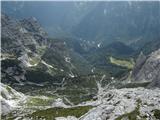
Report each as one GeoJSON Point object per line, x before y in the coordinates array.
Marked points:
{"type": "Point", "coordinates": [96, 68]}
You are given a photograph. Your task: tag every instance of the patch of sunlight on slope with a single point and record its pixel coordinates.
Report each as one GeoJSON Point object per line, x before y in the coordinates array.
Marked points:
{"type": "Point", "coordinates": [123, 63]}
{"type": "Point", "coordinates": [34, 61]}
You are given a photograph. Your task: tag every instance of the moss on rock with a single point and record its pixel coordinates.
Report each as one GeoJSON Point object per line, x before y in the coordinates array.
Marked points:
{"type": "Point", "coordinates": [156, 114]}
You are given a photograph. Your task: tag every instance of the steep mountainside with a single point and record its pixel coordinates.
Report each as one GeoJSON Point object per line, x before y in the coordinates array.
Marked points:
{"type": "Point", "coordinates": [100, 56]}
{"type": "Point", "coordinates": [26, 42]}
{"type": "Point", "coordinates": [19, 38]}
{"type": "Point", "coordinates": [55, 19]}
{"type": "Point", "coordinates": [147, 69]}
{"type": "Point", "coordinates": [29, 56]}
{"type": "Point", "coordinates": [91, 74]}
{"type": "Point", "coordinates": [150, 47]}
{"type": "Point", "coordinates": [33, 62]}
{"type": "Point", "coordinates": [130, 22]}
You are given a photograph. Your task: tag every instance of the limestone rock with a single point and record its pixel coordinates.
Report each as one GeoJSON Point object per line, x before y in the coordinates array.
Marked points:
{"type": "Point", "coordinates": [148, 69]}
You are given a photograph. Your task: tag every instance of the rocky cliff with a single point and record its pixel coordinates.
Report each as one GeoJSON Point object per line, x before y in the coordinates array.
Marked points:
{"type": "Point", "coordinates": [21, 37]}
{"type": "Point", "coordinates": [147, 68]}
{"type": "Point", "coordinates": [10, 98]}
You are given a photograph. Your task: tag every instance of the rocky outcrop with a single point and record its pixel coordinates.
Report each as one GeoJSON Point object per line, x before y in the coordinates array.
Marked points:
{"type": "Point", "coordinates": [148, 69]}
{"type": "Point", "coordinates": [19, 37]}
{"type": "Point", "coordinates": [10, 98]}
{"type": "Point", "coordinates": [120, 104]}
{"type": "Point", "coordinates": [139, 63]}
{"type": "Point", "coordinates": [115, 103]}
{"type": "Point", "coordinates": [156, 81]}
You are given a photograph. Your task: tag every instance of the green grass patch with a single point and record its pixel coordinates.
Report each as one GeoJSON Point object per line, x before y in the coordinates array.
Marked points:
{"type": "Point", "coordinates": [156, 114]}
{"type": "Point", "coordinates": [123, 63]}
{"type": "Point", "coordinates": [52, 113]}
{"type": "Point", "coordinates": [9, 89]}
{"type": "Point", "coordinates": [36, 101]}
{"type": "Point", "coordinates": [9, 116]}
{"type": "Point", "coordinates": [34, 60]}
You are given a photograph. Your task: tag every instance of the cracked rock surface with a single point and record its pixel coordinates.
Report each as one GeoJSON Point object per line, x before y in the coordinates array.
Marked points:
{"type": "Point", "coordinates": [116, 102]}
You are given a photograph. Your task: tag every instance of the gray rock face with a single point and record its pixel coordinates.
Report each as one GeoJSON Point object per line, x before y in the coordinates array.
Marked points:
{"type": "Point", "coordinates": [117, 102]}
{"type": "Point", "coordinates": [10, 98]}
{"type": "Point", "coordinates": [139, 63]}
{"type": "Point", "coordinates": [156, 81]}
{"type": "Point", "coordinates": [22, 46]}
{"type": "Point", "coordinates": [20, 36]}
{"type": "Point", "coordinates": [148, 69]}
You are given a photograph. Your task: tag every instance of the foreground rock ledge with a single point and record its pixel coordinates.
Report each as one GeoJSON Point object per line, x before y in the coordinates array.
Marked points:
{"type": "Point", "coordinates": [117, 104]}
